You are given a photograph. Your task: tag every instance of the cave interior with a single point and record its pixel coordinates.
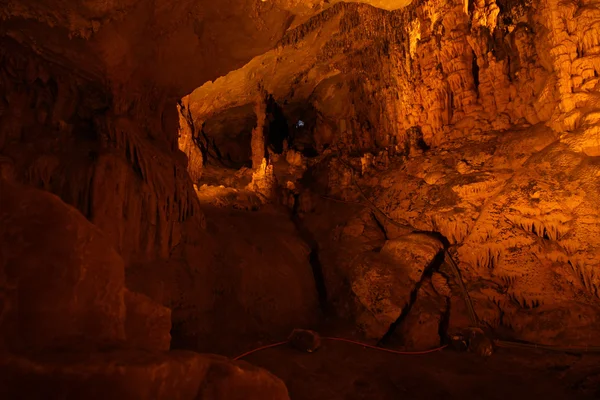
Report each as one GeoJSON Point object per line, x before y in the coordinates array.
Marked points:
{"type": "Point", "coordinates": [299, 199]}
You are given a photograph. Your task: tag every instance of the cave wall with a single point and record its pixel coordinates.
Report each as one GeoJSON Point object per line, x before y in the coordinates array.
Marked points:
{"type": "Point", "coordinates": [111, 157]}
{"type": "Point", "coordinates": [91, 90]}
{"type": "Point", "coordinates": [444, 67]}
{"type": "Point", "coordinates": [503, 93]}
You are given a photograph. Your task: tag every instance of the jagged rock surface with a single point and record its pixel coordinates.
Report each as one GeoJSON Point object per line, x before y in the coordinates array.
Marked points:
{"type": "Point", "coordinates": [490, 105]}
{"type": "Point", "coordinates": [140, 375]}
{"type": "Point", "coordinates": [62, 283]}
{"type": "Point", "coordinates": [71, 330]}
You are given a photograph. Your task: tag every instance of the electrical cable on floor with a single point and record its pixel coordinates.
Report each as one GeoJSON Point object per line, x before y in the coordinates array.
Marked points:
{"type": "Point", "coordinates": [260, 349]}
{"type": "Point", "coordinates": [336, 339]}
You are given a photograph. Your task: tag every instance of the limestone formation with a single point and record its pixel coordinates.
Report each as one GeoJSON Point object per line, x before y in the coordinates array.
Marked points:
{"type": "Point", "coordinates": [59, 275]}
{"type": "Point", "coordinates": [489, 102]}
{"type": "Point", "coordinates": [67, 319]}
{"type": "Point", "coordinates": [141, 375]}
{"type": "Point", "coordinates": [258, 136]}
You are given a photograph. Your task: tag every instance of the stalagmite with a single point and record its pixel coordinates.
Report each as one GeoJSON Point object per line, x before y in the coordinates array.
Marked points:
{"type": "Point", "coordinates": [258, 135]}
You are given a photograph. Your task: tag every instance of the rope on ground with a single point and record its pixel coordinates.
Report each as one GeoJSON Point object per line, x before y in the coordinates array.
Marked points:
{"type": "Point", "coordinates": [405, 353]}
{"type": "Point", "coordinates": [260, 349]}
{"type": "Point", "coordinates": [336, 339]}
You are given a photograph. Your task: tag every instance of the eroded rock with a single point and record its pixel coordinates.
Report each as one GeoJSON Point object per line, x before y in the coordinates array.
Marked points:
{"type": "Point", "coordinates": [148, 324]}
{"type": "Point", "coordinates": [416, 251]}
{"type": "Point", "coordinates": [385, 284]}
{"type": "Point", "coordinates": [65, 282]}
{"type": "Point", "coordinates": [137, 375]}
{"type": "Point", "coordinates": [422, 327]}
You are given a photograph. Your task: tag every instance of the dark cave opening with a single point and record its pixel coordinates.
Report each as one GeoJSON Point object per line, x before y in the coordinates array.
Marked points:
{"type": "Point", "coordinates": [277, 129]}
{"type": "Point", "coordinates": [314, 260]}
{"type": "Point", "coordinates": [475, 69]}
{"type": "Point", "coordinates": [302, 133]}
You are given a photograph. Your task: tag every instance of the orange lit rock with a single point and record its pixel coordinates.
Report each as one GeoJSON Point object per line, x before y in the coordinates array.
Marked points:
{"type": "Point", "coordinates": [258, 135]}
{"type": "Point", "coordinates": [417, 250]}
{"type": "Point", "coordinates": [421, 328]}
{"type": "Point", "coordinates": [384, 284]}
{"type": "Point", "coordinates": [476, 120]}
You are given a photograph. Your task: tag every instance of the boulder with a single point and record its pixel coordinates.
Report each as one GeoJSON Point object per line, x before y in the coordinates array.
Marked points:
{"type": "Point", "coordinates": [148, 323]}
{"type": "Point", "coordinates": [227, 380]}
{"type": "Point", "coordinates": [381, 292]}
{"type": "Point", "coordinates": [177, 375]}
{"type": "Point", "coordinates": [414, 251]}
{"type": "Point", "coordinates": [384, 283]}
{"type": "Point", "coordinates": [63, 282]}
{"type": "Point", "coordinates": [420, 330]}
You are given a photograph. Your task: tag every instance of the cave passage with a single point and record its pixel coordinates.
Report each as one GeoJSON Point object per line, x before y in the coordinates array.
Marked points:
{"type": "Point", "coordinates": [277, 129]}
{"type": "Point", "coordinates": [225, 138]}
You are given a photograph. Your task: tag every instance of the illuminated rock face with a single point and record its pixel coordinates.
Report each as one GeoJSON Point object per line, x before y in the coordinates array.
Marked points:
{"type": "Point", "coordinates": [501, 95]}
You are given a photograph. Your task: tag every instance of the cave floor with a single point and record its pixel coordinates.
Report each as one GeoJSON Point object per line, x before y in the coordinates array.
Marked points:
{"type": "Point", "coordinates": [345, 371]}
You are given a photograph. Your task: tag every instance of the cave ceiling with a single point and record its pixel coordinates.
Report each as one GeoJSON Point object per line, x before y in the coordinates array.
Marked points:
{"type": "Point", "coordinates": [173, 45]}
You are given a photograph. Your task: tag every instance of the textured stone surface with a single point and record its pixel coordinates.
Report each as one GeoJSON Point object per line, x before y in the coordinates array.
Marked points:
{"type": "Point", "coordinates": [501, 95]}
{"type": "Point", "coordinates": [239, 381]}
{"type": "Point", "coordinates": [385, 284]}
{"type": "Point", "coordinates": [137, 375]}
{"type": "Point", "coordinates": [477, 120]}
{"type": "Point", "coordinates": [63, 285]}
{"type": "Point", "coordinates": [64, 303]}
{"type": "Point", "coordinates": [424, 324]}
{"type": "Point", "coordinates": [246, 279]}
{"type": "Point", "coordinates": [416, 251]}
{"type": "Point", "coordinates": [518, 212]}
{"type": "Point", "coordinates": [148, 323]}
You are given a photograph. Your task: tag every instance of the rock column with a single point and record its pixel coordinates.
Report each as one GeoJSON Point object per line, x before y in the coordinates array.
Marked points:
{"type": "Point", "coordinates": [258, 135]}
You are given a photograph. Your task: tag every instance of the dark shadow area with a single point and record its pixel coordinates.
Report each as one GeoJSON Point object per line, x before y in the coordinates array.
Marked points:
{"type": "Point", "coordinates": [475, 69]}
{"type": "Point", "coordinates": [302, 119]}
{"type": "Point", "coordinates": [277, 130]}
{"type": "Point", "coordinates": [225, 138]}
{"type": "Point", "coordinates": [432, 267]}
{"type": "Point", "coordinates": [314, 260]}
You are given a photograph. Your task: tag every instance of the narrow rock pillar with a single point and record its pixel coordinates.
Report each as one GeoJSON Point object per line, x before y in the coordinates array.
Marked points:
{"type": "Point", "coordinates": [258, 134]}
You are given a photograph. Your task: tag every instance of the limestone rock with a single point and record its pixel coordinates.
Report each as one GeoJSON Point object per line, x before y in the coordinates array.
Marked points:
{"type": "Point", "coordinates": [417, 251]}
{"type": "Point", "coordinates": [420, 330]}
{"type": "Point", "coordinates": [148, 324]}
{"type": "Point", "coordinates": [519, 222]}
{"type": "Point", "coordinates": [246, 279]}
{"type": "Point", "coordinates": [382, 291]}
{"type": "Point", "coordinates": [384, 283]}
{"type": "Point", "coordinates": [264, 182]}
{"type": "Point", "coordinates": [65, 282]}
{"type": "Point", "coordinates": [137, 375]}
{"type": "Point", "coordinates": [240, 381]}
{"type": "Point", "coordinates": [221, 196]}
